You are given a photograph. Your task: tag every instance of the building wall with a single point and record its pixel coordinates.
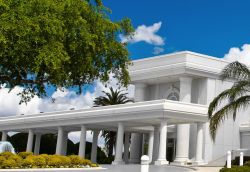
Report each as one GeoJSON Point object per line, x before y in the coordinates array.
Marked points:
{"type": "Point", "coordinates": [203, 92]}
{"type": "Point", "coordinates": [228, 134]}
{"type": "Point", "coordinates": [161, 91]}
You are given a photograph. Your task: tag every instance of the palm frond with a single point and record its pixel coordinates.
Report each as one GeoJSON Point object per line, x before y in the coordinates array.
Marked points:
{"type": "Point", "coordinates": [230, 109]}
{"type": "Point", "coordinates": [240, 88]}
{"type": "Point", "coordinates": [236, 70]}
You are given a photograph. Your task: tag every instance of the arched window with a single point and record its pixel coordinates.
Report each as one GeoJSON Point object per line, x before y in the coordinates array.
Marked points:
{"type": "Point", "coordinates": [172, 94]}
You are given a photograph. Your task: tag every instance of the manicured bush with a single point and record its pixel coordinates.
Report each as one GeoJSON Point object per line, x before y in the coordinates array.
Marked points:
{"type": "Point", "coordinates": [24, 154]}
{"type": "Point", "coordinates": [45, 156]}
{"type": "Point", "coordinates": [66, 161]}
{"type": "Point", "coordinates": [39, 161]}
{"type": "Point", "coordinates": [17, 159]}
{"type": "Point", "coordinates": [28, 160]}
{"type": "Point", "coordinates": [86, 162]}
{"type": "Point", "coordinates": [6, 154]}
{"type": "Point", "coordinates": [94, 165]}
{"type": "Point", "coordinates": [28, 163]}
{"type": "Point", "coordinates": [55, 161]}
{"type": "Point", "coordinates": [9, 163]}
{"type": "Point", "coordinates": [236, 169]}
{"type": "Point", "coordinates": [1, 160]}
{"type": "Point", "coordinates": [75, 160]}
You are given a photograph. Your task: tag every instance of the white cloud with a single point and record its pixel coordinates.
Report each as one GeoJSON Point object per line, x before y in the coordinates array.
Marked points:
{"type": "Point", "coordinates": [64, 100]}
{"type": "Point", "coordinates": [75, 137]}
{"type": "Point", "coordinates": [239, 54]}
{"type": "Point", "coordinates": [158, 50]}
{"type": "Point", "coordinates": [146, 34]}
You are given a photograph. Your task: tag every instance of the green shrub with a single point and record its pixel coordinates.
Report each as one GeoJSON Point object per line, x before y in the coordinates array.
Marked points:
{"type": "Point", "coordinates": [247, 163]}
{"type": "Point", "coordinates": [39, 161]}
{"type": "Point", "coordinates": [24, 154]}
{"type": "Point", "coordinates": [86, 162]}
{"type": "Point", "coordinates": [236, 169]}
{"type": "Point", "coordinates": [6, 154]}
{"type": "Point", "coordinates": [17, 159]}
{"type": "Point", "coordinates": [28, 160]}
{"type": "Point", "coordinates": [75, 159]}
{"type": "Point", "coordinates": [66, 161]}
{"type": "Point", "coordinates": [94, 165]}
{"type": "Point", "coordinates": [28, 163]}
{"type": "Point", "coordinates": [1, 160]}
{"type": "Point", "coordinates": [9, 163]}
{"type": "Point", "coordinates": [46, 157]}
{"type": "Point", "coordinates": [54, 161]}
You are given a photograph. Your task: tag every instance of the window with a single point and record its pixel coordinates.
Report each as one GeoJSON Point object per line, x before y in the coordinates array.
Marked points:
{"type": "Point", "coordinates": [172, 93]}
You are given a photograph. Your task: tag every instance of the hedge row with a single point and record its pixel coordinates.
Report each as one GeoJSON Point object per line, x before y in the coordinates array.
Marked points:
{"type": "Point", "coordinates": [236, 169]}
{"type": "Point", "coordinates": [28, 160]}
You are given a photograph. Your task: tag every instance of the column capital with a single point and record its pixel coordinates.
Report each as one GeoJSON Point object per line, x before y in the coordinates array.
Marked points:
{"type": "Point", "coordinates": [185, 79]}
{"type": "Point", "coordinates": [140, 85]}
{"type": "Point", "coordinates": [200, 123]}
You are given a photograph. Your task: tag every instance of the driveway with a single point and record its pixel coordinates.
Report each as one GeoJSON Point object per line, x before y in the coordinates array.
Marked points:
{"type": "Point", "coordinates": [110, 168]}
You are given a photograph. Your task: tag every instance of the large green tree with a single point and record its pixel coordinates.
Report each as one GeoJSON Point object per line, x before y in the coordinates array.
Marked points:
{"type": "Point", "coordinates": [60, 43]}
{"type": "Point", "coordinates": [113, 97]}
{"type": "Point", "coordinates": [234, 99]}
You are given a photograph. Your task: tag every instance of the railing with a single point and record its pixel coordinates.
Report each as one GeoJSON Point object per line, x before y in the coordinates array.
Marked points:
{"type": "Point", "coordinates": [220, 161]}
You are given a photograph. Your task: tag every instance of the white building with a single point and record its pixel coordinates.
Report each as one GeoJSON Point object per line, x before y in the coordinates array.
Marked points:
{"type": "Point", "coordinates": [172, 93]}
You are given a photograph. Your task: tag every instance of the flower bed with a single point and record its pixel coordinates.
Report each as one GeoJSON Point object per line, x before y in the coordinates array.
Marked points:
{"type": "Point", "coordinates": [28, 160]}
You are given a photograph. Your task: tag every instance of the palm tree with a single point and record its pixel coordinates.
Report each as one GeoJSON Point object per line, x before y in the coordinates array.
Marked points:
{"type": "Point", "coordinates": [237, 97]}
{"type": "Point", "coordinates": [113, 97]}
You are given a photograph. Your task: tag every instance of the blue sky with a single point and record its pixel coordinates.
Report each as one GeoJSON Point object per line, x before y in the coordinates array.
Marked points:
{"type": "Point", "coordinates": [210, 27]}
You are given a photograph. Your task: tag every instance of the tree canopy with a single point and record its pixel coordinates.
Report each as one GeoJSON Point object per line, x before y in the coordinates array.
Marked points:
{"type": "Point", "coordinates": [60, 43]}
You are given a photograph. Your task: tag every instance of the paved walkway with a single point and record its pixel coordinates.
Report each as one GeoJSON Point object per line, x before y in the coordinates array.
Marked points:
{"type": "Point", "coordinates": [208, 169]}
{"type": "Point", "coordinates": [123, 168]}
{"type": "Point", "coordinates": [110, 168]}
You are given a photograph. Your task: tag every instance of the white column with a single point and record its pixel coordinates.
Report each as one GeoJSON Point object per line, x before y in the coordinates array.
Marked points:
{"type": "Point", "coordinates": [135, 148]}
{"type": "Point", "coordinates": [82, 145]}
{"type": "Point", "coordinates": [182, 147]}
{"type": "Point", "coordinates": [163, 144]}
{"type": "Point", "coordinates": [119, 145]}
{"type": "Point", "coordinates": [65, 143]}
{"type": "Point", "coordinates": [156, 143]}
{"type": "Point", "coordinates": [199, 144]}
{"type": "Point", "coordinates": [4, 136]}
{"type": "Point", "coordinates": [30, 141]}
{"type": "Point", "coordinates": [37, 144]}
{"type": "Point", "coordinates": [126, 147]}
{"type": "Point", "coordinates": [59, 143]}
{"type": "Point", "coordinates": [94, 146]}
{"type": "Point", "coordinates": [140, 92]}
{"type": "Point", "coordinates": [150, 145]}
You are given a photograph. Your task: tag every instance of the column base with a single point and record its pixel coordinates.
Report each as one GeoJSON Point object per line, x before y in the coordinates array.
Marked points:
{"type": "Point", "coordinates": [119, 162]}
{"type": "Point", "coordinates": [161, 162]}
{"type": "Point", "coordinates": [180, 161]}
{"type": "Point", "coordinates": [198, 163]}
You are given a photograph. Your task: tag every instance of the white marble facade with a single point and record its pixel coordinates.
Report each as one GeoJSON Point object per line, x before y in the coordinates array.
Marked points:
{"type": "Point", "coordinates": [169, 115]}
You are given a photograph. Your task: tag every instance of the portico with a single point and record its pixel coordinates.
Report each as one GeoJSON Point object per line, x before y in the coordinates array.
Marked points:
{"type": "Point", "coordinates": [149, 117]}
{"type": "Point", "coordinates": [171, 95]}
